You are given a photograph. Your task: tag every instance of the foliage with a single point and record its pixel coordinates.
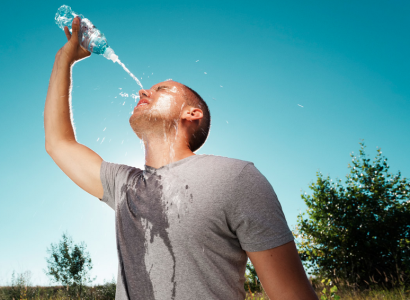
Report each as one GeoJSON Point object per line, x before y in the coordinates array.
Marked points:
{"type": "Point", "coordinates": [252, 283]}
{"type": "Point", "coordinates": [99, 292]}
{"type": "Point", "coordinates": [348, 293]}
{"type": "Point", "coordinates": [331, 293]}
{"type": "Point", "coordinates": [18, 286]}
{"type": "Point", "coordinates": [256, 296]}
{"type": "Point", "coordinates": [106, 291]}
{"type": "Point", "coordinates": [69, 264]}
{"type": "Point", "coordinates": [358, 232]}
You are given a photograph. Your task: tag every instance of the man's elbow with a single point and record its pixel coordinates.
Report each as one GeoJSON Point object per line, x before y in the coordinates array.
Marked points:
{"type": "Point", "coordinates": [52, 147]}
{"type": "Point", "coordinates": [49, 148]}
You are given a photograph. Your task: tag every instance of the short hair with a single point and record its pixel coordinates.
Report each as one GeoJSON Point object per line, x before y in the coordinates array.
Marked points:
{"type": "Point", "coordinates": [199, 137]}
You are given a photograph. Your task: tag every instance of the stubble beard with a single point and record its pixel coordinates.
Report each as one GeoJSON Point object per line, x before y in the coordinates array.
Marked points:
{"type": "Point", "coordinates": [152, 124]}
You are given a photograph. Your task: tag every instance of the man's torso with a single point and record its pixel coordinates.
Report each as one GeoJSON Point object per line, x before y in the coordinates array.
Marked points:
{"type": "Point", "coordinates": [177, 227]}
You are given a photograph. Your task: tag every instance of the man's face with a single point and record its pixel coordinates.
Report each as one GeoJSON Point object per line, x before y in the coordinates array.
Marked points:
{"type": "Point", "coordinates": [161, 104]}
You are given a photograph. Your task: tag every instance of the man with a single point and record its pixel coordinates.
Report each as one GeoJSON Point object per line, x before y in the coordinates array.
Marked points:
{"type": "Point", "coordinates": [185, 225]}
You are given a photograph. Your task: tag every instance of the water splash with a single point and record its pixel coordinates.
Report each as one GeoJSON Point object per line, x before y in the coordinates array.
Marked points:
{"type": "Point", "coordinates": [135, 97]}
{"type": "Point", "coordinates": [163, 105]}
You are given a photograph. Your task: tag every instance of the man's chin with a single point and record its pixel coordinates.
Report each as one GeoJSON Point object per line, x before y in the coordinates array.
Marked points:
{"type": "Point", "coordinates": [136, 130]}
{"type": "Point", "coordinates": [139, 124]}
{"type": "Point", "coordinates": [135, 117]}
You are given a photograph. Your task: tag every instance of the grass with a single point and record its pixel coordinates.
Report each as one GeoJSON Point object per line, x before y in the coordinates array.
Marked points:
{"type": "Point", "coordinates": [326, 290]}
{"type": "Point", "coordinates": [21, 289]}
{"type": "Point", "coordinates": [397, 294]}
{"type": "Point", "coordinates": [100, 292]}
{"type": "Point", "coordinates": [59, 293]}
{"type": "Point", "coordinates": [352, 295]}
{"type": "Point", "coordinates": [348, 293]}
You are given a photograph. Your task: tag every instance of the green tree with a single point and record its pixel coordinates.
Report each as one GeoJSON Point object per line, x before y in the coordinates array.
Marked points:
{"type": "Point", "coordinates": [69, 264]}
{"type": "Point", "coordinates": [358, 231]}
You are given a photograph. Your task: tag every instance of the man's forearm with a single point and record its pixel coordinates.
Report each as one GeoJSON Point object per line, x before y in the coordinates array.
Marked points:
{"type": "Point", "coordinates": [57, 112]}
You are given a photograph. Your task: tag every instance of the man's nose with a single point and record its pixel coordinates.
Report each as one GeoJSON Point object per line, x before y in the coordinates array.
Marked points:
{"type": "Point", "coordinates": [144, 93]}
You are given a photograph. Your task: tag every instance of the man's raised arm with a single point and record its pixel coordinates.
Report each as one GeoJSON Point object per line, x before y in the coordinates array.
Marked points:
{"type": "Point", "coordinates": [78, 162]}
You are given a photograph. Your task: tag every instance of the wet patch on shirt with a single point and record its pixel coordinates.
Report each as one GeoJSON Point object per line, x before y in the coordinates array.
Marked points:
{"type": "Point", "coordinates": [153, 202]}
{"type": "Point", "coordinates": [176, 196]}
{"type": "Point", "coordinates": [143, 203]}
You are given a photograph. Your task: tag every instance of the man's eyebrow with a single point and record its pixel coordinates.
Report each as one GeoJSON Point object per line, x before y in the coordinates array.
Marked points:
{"type": "Point", "coordinates": [161, 86]}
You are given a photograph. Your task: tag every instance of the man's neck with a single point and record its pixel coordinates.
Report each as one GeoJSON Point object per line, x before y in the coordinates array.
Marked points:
{"type": "Point", "coordinates": [165, 149]}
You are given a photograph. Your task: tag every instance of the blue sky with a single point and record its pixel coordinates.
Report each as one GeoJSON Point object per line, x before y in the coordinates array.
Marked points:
{"type": "Point", "coordinates": [292, 86]}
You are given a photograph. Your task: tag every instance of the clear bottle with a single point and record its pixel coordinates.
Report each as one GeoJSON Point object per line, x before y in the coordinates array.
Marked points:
{"type": "Point", "coordinates": [91, 38]}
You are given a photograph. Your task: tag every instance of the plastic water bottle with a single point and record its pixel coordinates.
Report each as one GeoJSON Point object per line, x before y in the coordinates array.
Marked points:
{"type": "Point", "coordinates": [91, 38]}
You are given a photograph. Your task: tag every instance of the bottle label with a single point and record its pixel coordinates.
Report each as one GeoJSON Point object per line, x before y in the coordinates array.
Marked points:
{"type": "Point", "coordinates": [87, 32]}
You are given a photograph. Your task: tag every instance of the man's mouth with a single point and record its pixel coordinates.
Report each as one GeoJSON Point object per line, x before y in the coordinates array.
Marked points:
{"type": "Point", "coordinates": [142, 102]}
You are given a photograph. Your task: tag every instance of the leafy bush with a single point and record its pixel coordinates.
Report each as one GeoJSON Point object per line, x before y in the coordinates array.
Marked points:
{"type": "Point", "coordinates": [252, 283]}
{"type": "Point", "coordinates": [329, 292]}
{"type": "Point", "coordinates": [358, 232]}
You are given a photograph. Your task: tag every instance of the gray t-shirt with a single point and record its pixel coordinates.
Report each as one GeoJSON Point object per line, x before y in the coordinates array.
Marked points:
{"type": "Point", "coordinates": [183, 229]}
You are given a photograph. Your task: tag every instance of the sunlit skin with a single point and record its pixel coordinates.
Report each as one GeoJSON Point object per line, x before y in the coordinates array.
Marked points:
{"type": "Point", "coordinates": [163, 121]}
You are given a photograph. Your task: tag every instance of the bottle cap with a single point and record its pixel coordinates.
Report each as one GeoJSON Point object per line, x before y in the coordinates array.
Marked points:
{"type": "Point", "coordinates": [109, 54]}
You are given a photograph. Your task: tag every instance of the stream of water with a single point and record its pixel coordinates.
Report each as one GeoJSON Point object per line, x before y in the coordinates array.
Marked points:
{"type": "Point", "coordinates": [128, 71]}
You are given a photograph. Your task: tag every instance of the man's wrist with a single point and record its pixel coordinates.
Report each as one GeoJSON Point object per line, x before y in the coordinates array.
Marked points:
{"type": "Point", "coordinates": [62, 60]}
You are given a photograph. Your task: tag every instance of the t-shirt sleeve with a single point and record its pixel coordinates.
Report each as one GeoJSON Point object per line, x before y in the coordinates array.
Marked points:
{"type": "Point", "coordinates": [110, 174]}
{"type": "Point", "coordinates": [256, 214]}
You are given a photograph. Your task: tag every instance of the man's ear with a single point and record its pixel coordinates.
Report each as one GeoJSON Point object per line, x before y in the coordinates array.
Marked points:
{"type": "Point", "coordinates": [192, 114]}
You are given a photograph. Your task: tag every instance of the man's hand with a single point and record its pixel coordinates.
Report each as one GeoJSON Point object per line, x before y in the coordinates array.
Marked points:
{"type": "Point", "coordinates": [72, 50]}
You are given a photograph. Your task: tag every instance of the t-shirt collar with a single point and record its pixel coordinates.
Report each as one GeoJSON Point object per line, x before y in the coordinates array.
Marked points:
{"type": "Point", "coordinates": [153, 170]}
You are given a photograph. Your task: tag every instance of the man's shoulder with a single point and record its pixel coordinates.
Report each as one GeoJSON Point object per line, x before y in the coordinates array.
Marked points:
{"type": "Point", "coordinates": [116, 169]}
{"type": "Point", "coordinates": [223, 163]}
{"type": "Point", "coordinates": [226, 160]}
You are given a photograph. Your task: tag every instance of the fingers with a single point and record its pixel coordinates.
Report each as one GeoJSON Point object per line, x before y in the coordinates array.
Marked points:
{"type": "Point", "coordinates": [67, 33]}
{"type": "Point", "coordinates": [76, 29]}
{"type": "Point", "coordinates": [85, 52]}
